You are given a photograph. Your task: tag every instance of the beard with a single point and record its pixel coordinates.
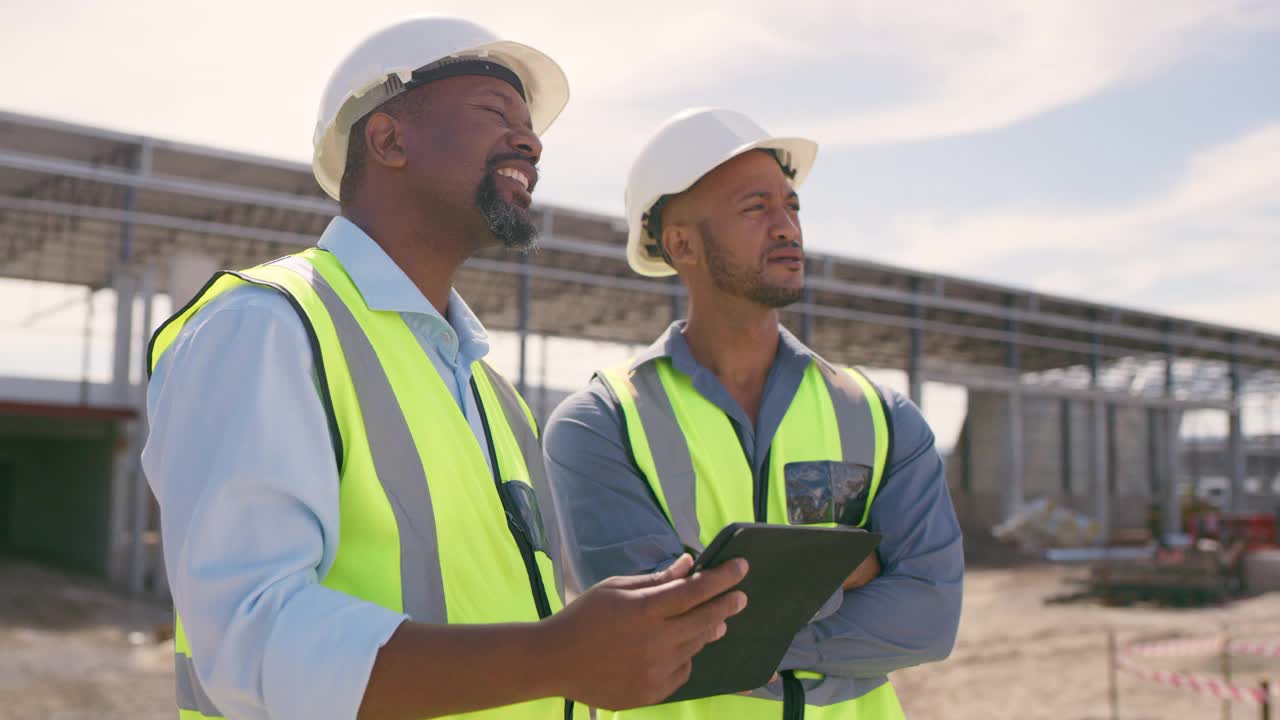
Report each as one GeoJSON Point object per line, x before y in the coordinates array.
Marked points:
{"type": "Point", "coordinates": [735, 279]}
{"type": "Point", "coordinates": [509, 224]}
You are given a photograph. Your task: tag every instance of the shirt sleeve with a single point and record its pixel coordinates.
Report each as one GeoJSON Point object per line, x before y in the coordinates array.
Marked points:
{"type": "Point", "coordinates": [609, 522]}
{"type": "Point", "coordinates": [241, 462]}
{"type": "Point", "coordinates": [910, 614]}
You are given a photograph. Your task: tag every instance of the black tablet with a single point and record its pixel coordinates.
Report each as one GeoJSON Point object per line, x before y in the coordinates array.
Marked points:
{"type": "Point", "coordinates": [794, 570]}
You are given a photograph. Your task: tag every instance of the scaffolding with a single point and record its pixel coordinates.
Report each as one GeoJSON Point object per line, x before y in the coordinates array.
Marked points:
{"type": "Point", "coordinates": [106, 210]}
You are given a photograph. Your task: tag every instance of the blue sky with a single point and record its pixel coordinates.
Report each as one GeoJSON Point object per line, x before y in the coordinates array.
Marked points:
{"type": "Point", "coordinates": [1123, 152]}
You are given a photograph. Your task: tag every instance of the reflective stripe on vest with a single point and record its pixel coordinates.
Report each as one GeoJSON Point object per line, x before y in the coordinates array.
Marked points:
{"type": "Point", "coordinates": [690, 454]}
{"type": "Point", "coordinates": [417, 535]}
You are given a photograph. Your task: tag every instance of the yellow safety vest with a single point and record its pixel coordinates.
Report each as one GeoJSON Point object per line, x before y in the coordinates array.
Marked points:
{"type": "Point", "coordinates": [823, 468]}
{"type": "Point", "coordinates": [426, 528]}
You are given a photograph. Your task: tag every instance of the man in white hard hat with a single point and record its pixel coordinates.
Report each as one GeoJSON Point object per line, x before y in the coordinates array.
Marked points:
{"type": "Point", "coordinates": [728, 417]}
{"type": "Point", "coordinates": [350, 495]}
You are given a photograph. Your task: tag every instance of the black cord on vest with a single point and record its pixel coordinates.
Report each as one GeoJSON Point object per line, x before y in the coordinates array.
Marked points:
{"type": "Point", "coordinates": [792, 696]}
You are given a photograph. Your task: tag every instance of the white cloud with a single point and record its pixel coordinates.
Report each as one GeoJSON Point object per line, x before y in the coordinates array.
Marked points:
{"type": "Point", "coordinates": [1216, 227]}
{"type": "Point", "coordinates": [251, 76]}
{"type": "Point", "coordinates": [991, 64]}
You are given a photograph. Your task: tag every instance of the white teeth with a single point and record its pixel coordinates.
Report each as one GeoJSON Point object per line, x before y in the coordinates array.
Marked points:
{"type": "Point", "coordinates": [515, 175]}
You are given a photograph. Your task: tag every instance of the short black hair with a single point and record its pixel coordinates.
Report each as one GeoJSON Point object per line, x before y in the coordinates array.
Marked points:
{"type": "Point", "coordinates": [407, 104]}
{"type": "Point", "coordinates": [652, 221]}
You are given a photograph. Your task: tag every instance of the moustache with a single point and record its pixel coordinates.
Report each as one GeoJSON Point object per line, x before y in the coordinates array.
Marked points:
{"type": "Point", "coordinates": [790, 245]}
{"type": "Point", "coordinates": [493, 162]}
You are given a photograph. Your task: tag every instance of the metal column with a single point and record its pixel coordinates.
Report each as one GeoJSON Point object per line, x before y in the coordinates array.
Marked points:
{"type": "Point", "coordinates": [522, 325]}
{"type": "Point", "coordinates": [124, 285]}
{"type": "Point", "coordinates": [1065, 440]}
{"type": "Point", "coordinates": [86, 348]}
{"type": "Point", "coordinates": [1014, 461]}
{"type": "Point", "coordinates": [125, 471]}
{"type": "Point", "coordinates": [1170, 502]}
{"type": "Point", "coordinates": [915, 383]}
{"type": "Point", "coordinates": [1098, 448]}
{"type": "Point", "coordinates": [1236, 462]}
{"type": "Point", "coordinates": [806, 317]}
{"type": "Point", "coordinates": [140, 562]}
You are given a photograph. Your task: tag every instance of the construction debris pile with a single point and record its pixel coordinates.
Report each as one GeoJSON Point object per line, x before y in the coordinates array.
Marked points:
{"type": "Point", "coordinates": [1221, 556]}
{"type": "Point", "coordinates": [1042, 524]}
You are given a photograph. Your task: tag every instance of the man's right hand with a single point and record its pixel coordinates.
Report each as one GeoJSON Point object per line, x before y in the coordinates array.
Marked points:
{"type": "Point", "coordinates": [630, 641]}
{"type": "Point", "coordinates": [867, 571]}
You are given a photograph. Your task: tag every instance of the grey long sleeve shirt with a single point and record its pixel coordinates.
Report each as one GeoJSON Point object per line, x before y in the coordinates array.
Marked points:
{"type": "Point", "coordinates": [610, 524]}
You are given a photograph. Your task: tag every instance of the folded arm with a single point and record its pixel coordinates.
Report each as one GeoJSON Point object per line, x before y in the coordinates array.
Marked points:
{"type": "Point", "coordinates": [908, 615]}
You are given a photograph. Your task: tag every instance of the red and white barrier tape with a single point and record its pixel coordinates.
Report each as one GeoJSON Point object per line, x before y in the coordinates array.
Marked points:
{"type": "Point", "coordinates": [1200, 684]}
{"type": "Point", "coordinates": [1175, 648]}
{"type": "Point", "coordinates": [1245, 647]}
{"type": "Point", "coordinates": [1200, 646]}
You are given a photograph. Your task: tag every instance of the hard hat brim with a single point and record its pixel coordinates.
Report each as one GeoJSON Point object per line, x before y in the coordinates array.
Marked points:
{"type": "Point", "coordinates": [546, 91]}
{"type": "Point", "coordinates": [799, 155]}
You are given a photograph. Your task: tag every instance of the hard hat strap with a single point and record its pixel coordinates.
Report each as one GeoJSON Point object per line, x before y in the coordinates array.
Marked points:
{"type": "Point", "coordinates": [390, 87]}
{"type": "Point", "coordinates": [454, 67]}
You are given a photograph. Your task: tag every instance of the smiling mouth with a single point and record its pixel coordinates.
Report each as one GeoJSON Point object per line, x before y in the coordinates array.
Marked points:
{"type": "Point", "coordinates": [519, 177]}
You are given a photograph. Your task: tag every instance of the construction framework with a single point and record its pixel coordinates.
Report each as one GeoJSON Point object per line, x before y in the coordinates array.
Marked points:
{"type": "Point", "coordinates": [106, 210]}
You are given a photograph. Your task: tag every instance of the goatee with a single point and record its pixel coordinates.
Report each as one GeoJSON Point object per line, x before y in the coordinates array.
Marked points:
{"type": "Point", "coordinates": [509, 224]}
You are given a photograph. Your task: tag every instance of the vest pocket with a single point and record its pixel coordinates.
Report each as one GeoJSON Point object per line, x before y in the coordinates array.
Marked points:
{"type": "Point", "coordinates": [826, 491]}
{"type": "Point", "coordinates": [520, 500]}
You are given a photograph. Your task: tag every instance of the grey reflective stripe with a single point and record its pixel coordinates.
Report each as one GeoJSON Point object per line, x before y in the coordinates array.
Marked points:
{"type": "Point", "coordinates": [191, 694]}
{"type": "Point", "coordinates": [531, 449]}
{"type": "Point", "coordinates": [853, 415]}
{"type": "Point", "coordinates": [518, 421]}
{"type": "Point", "coordinates": [670, 452]}
{"type": "Point", "coordinates": [395, 455]}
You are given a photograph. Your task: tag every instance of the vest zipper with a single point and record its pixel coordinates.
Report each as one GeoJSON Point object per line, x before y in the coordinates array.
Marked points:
{"type": "Point", "coordinates": [518, 532]}
{"type": "Point", "coordinates": [760, 497]}
{"type": "Point", "coordinates": [792, 689]}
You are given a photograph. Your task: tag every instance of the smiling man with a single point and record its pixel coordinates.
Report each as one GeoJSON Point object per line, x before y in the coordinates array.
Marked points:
{"type": "Point", "coordinates": [349, 494]}
{"type": "Point", "coordinates": [728, 417]}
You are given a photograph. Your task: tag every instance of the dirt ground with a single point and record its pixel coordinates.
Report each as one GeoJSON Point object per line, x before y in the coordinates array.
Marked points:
{"type": "Point", "coordinates": [71, 649]}
{"type": "Point", "coordinates": [1017, 657]}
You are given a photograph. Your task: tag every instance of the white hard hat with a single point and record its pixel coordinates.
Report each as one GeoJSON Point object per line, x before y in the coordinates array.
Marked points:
{"type": "Point", "coordinates": [362, 81]}
{"type": "Point", "coordinates": [689, 145]}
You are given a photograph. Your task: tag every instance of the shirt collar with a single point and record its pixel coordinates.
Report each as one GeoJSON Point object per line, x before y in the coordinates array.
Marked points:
{"type": "Point", "coordinates": [672, 344]}
{"type": "Point", "coordinates": [384, 286]}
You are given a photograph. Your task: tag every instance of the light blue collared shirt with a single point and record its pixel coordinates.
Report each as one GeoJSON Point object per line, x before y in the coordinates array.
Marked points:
{"type": "Point", "coordinates": [241, 462]}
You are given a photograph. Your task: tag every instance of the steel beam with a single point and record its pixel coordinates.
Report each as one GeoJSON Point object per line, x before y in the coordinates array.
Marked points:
{"type": "Point", "coordinates": [262, 197]}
